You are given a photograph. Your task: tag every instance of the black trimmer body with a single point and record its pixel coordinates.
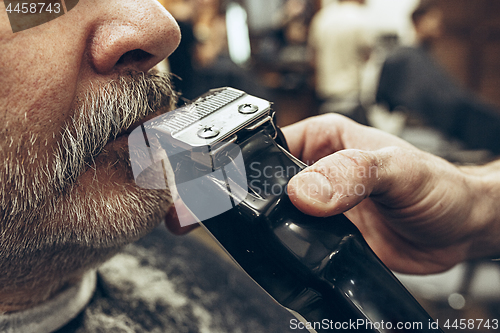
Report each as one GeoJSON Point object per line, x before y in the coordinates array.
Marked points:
{"type": "Point", "coordinates": [230, 167]}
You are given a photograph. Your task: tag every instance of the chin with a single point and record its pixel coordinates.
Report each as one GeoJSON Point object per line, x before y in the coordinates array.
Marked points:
{"type": "Point", "coordinates": [78, 229]}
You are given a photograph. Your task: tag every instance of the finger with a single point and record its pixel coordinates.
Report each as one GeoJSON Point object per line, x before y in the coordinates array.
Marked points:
{"type": "Point", "coordinates": [340, 181]}
{"type": "Point", "coordinates": [317, 137]}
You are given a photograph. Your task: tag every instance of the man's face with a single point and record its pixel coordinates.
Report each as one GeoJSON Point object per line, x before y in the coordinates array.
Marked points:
{"type": "Point", "coordinates": [70, 89]}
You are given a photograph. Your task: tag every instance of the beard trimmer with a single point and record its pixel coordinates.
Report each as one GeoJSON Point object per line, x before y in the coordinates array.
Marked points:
{"type": "Point", "coordinates": [230, 166]}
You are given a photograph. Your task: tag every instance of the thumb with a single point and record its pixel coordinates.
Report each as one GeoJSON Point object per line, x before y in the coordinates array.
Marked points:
{"type": "Point", "coordinates": [340, 181]}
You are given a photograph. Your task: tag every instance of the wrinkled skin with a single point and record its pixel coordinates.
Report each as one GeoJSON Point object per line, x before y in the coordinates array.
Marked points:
{"type": "Point", "coordinates": [418, 212]}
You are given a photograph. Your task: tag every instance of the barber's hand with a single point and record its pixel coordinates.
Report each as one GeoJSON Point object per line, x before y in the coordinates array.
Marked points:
{"type": "Point", "coordinates": [415, 210]}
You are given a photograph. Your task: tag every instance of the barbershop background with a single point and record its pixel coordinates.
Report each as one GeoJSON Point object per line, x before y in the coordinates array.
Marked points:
{"type": "Point", "coordinates": [441, 93]}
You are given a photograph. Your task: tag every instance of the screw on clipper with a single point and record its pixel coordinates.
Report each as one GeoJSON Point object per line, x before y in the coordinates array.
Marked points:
{"type": "Point", "coordinates": [248, 108]}
{"type": "Point", "coordinates": [208, 132]}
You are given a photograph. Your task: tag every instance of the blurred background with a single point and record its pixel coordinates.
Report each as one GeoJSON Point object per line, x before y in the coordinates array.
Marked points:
{"type": "Point", "coordinates": [427, 71]}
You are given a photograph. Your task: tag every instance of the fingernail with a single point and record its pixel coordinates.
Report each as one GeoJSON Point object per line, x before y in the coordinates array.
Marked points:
{"type": "Point", "coordinates": [315, 186]}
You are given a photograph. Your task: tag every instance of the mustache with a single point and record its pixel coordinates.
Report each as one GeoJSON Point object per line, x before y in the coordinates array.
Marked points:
{"type": "Point", "coordinates": [104, 113]}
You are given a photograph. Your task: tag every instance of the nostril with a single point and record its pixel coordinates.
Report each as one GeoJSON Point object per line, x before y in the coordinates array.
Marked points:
{"type": "Point", "coordinates": [134, 56]}
{"type": "Point", "coordinates": [137, 37]}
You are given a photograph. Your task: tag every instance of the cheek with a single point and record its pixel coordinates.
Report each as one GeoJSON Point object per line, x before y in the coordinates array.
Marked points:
{"type": "Point", "coordinates": [39, 70]}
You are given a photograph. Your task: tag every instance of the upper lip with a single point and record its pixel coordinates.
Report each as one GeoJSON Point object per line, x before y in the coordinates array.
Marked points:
{"type": "Point", "coordinates": [137, 123]}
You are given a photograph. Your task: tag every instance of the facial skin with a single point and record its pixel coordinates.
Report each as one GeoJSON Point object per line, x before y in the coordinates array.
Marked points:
{"type": "Point", "coordinates": [70, 90]}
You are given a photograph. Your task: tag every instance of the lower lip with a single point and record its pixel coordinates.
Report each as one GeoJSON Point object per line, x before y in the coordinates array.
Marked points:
{"type": "Point", "coordinates": [171, 220]}
{"type": "Point", "coordinates": [120, 142]}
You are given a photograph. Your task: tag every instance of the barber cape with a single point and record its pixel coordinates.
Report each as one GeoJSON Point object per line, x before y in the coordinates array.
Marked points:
{"type": "Point", "coordinates": [163, 284]}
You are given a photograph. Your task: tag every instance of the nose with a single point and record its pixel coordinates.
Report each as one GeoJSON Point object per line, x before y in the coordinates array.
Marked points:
{"type": "Point", "coordinates": [132, 34]}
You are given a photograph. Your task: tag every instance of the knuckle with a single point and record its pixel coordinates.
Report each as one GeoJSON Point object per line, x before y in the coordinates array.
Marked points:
{"type": "Point", "coordinates": [351, 172]}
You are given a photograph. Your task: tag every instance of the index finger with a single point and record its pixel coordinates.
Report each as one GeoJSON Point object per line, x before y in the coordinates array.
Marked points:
{"type": "Point", "coordinates": [317, 137]}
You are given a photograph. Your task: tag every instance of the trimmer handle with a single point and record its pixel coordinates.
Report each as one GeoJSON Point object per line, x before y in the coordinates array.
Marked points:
{"type": "Point", "coordinates": [229, 164]}
{"type": "Point", "coordinates": [319, 268]}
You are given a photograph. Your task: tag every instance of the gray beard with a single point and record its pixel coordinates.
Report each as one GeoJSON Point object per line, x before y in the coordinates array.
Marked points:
{"type": "Point", "coordinates": [51, 226]}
